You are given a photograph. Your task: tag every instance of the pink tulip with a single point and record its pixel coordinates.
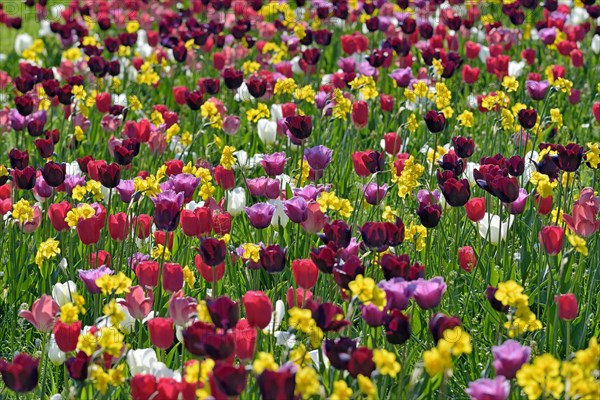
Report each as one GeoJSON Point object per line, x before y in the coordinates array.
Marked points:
{"type": "Point", "coordinates": [137, 303]}
{"type": "Point", "coordinates": [43, 313]}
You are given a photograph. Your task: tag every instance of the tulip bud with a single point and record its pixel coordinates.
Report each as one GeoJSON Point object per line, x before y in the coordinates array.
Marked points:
{"type": "Point", "coordinates": [466, 258]}
{"type": "Point", "coordinates": [567, 306]}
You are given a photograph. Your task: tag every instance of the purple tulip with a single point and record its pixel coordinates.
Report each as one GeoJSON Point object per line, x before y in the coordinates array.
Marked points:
{"type": "Point", "coordinates": [537, 90]}
{"type": "Point", "coordinates": [402, 76]}
{"type": "Point", "coordinates": [427, 197]}
{"type": "Point", "coordinates": [518, 206]}
{"type": "Point", "coordinates": [296, 209]}
{"type": "Point", "coordinates": [321, 99]}
{"type": "Point", "coordinates": [167, 207]}
{"type": "Point", "coordinates": [126, 189]}
{"type": "Point", "coordinates": [428, 293]}
{"type": "Point", "coordinates": [374, 193]}
{"type": "Point", "coordinates": [310, 192]}
{"type": "Point", "coordinates": [90, 276]}
{"type": "Point", "coordinates": [182, 183]}
{"type": "Point", "coordinates": [489, 389]}
{"type": "Point", "coordinates": [42, 189]}
{"type": "Point", "coordinates": [260, 214]}
{"type": "Point", "coordinates": [318, 157]}
{"type": "Point", "coordinates": [372, 315]}
{"type": "Point", "coordinates": [347, 64]}
{"type": "Point", "coordinates": [274, 164]}
{"type": "Point", "coordinates": [397, 293]}
{"type": "Point", "coordinates": [263, 186]}
{"type": "Point", "coordinates": [509, 357]}
{"type": "Point", "coordinates": [17, 121]}
{"type": "Point", "coordinates": [548, 35]}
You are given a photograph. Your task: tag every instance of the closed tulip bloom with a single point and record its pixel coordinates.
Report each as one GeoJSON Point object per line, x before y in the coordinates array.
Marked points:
{"type": "Point", "coordinates": [223, 311]}
{"type": "Point", "coordinates": [147, 273]}
{"type": "Point", "coordinates": [77, 367]}
{"type": "Point", "coordinates": [509, 357]}
{"type": "Point", "coordinates": [392, 143]}
{"type": "Point", "coordinates": [137, 303]}
{"type": "Point", "coordinates": [489, 389]}
{"type": "Point", "coordinates": [225, 178]}
{"type": "Point", "coordinates": [167, 208]}
{"type": "Point", "coordinates": [567, 306]}
{"type": "Point", "coordinates": [338, 351]}
{"type": "Point", "coordinates": [21, 375]}
{"type": "Point", "coordinates": [231, 124]}
{"type": "Point", "coordinates": [54, 173]}
{"type": "Point", "coordinates": [43, 313]}
{"type": "Point", "coordinates": [196, 223]}
{"type": "Point", "coordinates": [475, 208]}
{"type": "Point", "coordinates": [329, 317]}
{"type": "Point", "coordinates": [273, 258]}
{"type": "Point", "coordinates": [372, 315]}
{"type": "Point", "coordinates": [305, 273]}
{"type": "Point", "coordinates": [57, 212]}
{"type": "Point", "coordinates": [66, 335]}
{"type": "Point", "coordinates": [360, 114]}
{"type": "Point", "coordinates": [361, 362]}
{"type": "Point", "coordinates": [429, 214]}
{"type": "Point", "coordinates": [374, 193]}
{"type": "Point", "coordinates": [551, 238]}
{"type": "Point", "coordinates": [518, 206]}
{"type": "Point", "coordinates": [537, 90]}
{"type": "Point", "coordinates": [118, 227]}
{"type": "Point", "coordinates": [89, 229]}
{"type": "Point", "coordinates": [318, 157]}
{"type": "Point", "coordinates": [435, 121]}
{"type": "Point", "coordinates": [245, 340]}
{"type": "Point", "coordinates": [463, 147]}
{"type": "Point", "coordinates": [260, 215]}
{"type": "Point", "coordinates": [569, 157]}
{"type": "Point", "coordinates": [300, 126]}
{"type": "Point", "coordinates": [296, 209]}
{"type": "Point", "coordinates": [258, 308]}
{"type": "Point", "coordinates": [230, 380]}
{"type": "Point", "coordinates": [274, 164]}
{"type": "Point", "coordinates": [428, 293]}
{"type": "Point", "coordinates": [109, 175]}
{"type": "Point", "coordinates": [207, 272]}
{"type": "Point", "coordinates": [172, 277]}
{"type": "Point", "coordinates": [466, 258]}
{"type": "Point", "coordinates": [161, 332]}
{"type": "Point", "coordinates": [212, 251]}
{"type": "Point", "coordinates": [278, 385]}
{"type": "Point", "coordinates": [24, 178]}
{"type": "Point", "coordinates": [397, 328]}
{"type": "Point", "coordinates": [456, 192]}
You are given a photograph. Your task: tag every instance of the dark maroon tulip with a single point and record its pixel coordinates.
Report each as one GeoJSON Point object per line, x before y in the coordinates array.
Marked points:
{"type": "Point", "coordinates": [273, 258]}
{"type": "Point", "coordinates": [223, 311]}
{"type": "Point", "coordinates": [77, 366]}
{"type": "Point", "coordinates": [65, 94]}
{"type": "Point", "coordinates": [53, 135]}
{"type": "Point", "coordinates": [123, 155]}
{"type": "Point", "coordinates": [194, 100]}
{"type": "Point", "coordinates": [98, 66]}
{"type": "Point", "coordinates": [257, 86]}
{"type": "Point", "coordinates": [374, 161]}
{"type": "Point", "coordinates": [24, 178]}
{"type": "Point", "coordinates": [429, 214]}
{"type": "Point", "coordinates": [300, 126]}
{"type": "Point", "coordinates": [495, 303]}
{"type": "Point", "coordinates": [361, 362]}
{"type": "Point", "coordinates": [114, 68]}
{"type": "Point", "coordinates": [395, 266]}
{"type": "Point", "coordinates": [345, 273]}
{"type": "Point", "coordinates": [409, 25]}
{"type": "Point", "coordinates": [324, 257]}
{"type": "Point", "coordinates": [397, 328]}
{"type": "Point", "coordinates": [377, 57]}
{"type": "Point", "coordinates": [212, 251]}
{"type": "Point", "coordinates": [110, 175]}
{"type": "Point", "coordinates": [18, 159]}
{"type": "Point", "coordinates": [456, 192]}
{"type": "Point", "coordinates": [338, 232]}
{"type": "Point", "coordinates": [527, 118]}
{"type": "Point", "coordinates": [339, 350]}
{"type": "Point", "coordinates": [211, 86]}
{"type": "Point", "coordinates": [569, 157]}
{"type": "Point", "coordinates": [180, 53]}
{"type": "Point", "coordinates": [505, 188]}
{"type": "Point", "coordinates": [435, 120]}
{"type": "Point", "coordinates": [24, 105]}
{"type": "Point", "coordinates": [233, 79]}
{"type": "Point", "coordinates": [374, 235]}
{"type": "Point", "coordinates": [323, 37]}
{"type": "Point", "coordinates": [463, 147]}
{"type": "Point", "coordinates": [395, 232]}
{"type": "Point", "coordinates": [202, 339]}
{"type": "Point", "coordinates": [311, 56]}
{"type": "Point", "coordinates": [329, 317]}
{"type": "Point", "coordinates": [21, 375]}
{"type": "Point", "coordinates": [229, 379]}
{"type": "Point", "coordinates": [439, 322]}
{"type": "Point", "coordinates": [278, 385]}
{"type": "Point", "coordinates": [54, 173]}
{"type": "Point", "coordinates": [83, 163]}
{"type": "Point", "coordinates": [35, 127]}
{"type": "Point", "coordinates": [24, 83]}
{"type": "Point", "coordinates": [515, 165]}
{"type": "Point", "coordinates": [452, 162]}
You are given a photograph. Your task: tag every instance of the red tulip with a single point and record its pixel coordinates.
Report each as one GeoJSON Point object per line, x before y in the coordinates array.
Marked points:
{"type": "Point", "coordinates": [57, 213]}
{"type": "Point", "coordinates": [196, 223]}
{"type": "Point", "coordinates": [172, 277]}
{"type": "Point", "coordinates": [475, 209]}
{"type": "Point", "coordinates": [118, 228]}
{"type": "Point", "coordinates": [544, 204]}
{"type": "Point", "coordinates": [225, 178]}
{"type": "Point", "coordinates": [360, 114]}
{"type": "Point", "coordinates": [66, 335]}
{"type": "Point", "coordinates": [470, 74]}
{"type": "Point", "coordinates": [143, 387]}
{"type": "Point", "coordinates": [393, 143]}
{"type": "Point", "coordinates": [180, 94]}
{"type": "Point", "coordinates": [596, 111]}
{"type": "Point", "coordinates": [466, 258]}
{"type": "Point", "coordinates": [258, 308]}
{"type": "Point", "coordinates": [551, 239]}
{"type": "Point", "coordinates": [209, 273]}
{"type": "Point", "coordinates": [161, 332]}
{"type": "Point", "coordinates": [103, 102]}
{"type": "Point", "coordinates": [567, 306]}
{"type": "Point", "coordinates": [147, 273]}
{"type": "Point", "coordinates": [244, 340]}
{"type": "Point", "coordinates": [89, 229]}
{"type": "Point", "coordinates": [305, 272]}
{"type": "Point", "coordinates": [141, 226]}
{"type": "Point", "coordinates": [298, 298]}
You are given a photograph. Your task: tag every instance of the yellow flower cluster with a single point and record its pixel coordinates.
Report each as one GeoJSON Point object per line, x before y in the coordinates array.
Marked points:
{"type": "Point", "coordinates": [228, 160]}
{"type": "Point", "coordinates": [114, 313]}
{"type": "Point", "coordinates": [197, 372]}
{"type": "Point", "coordinates": [149, 186]}
{"type": "Point", "coordinates": [210, 112]}
{"type": "Point", "coordinates": [103, 379]}
{"type": "Point", "coordinates": [366, 85]}
{"type": "Point", "coordinates": [454, 342]}
{"type": "Point", "coordinates": [366, 290]}
{"type": "Point", "coordinates": [160, 252]}
{"type": "Point", "coordinates": [22, 211]}
{"type": "Point", "coordinates": [261, 111]}
{"type": "Point", "coordinates": [307, 383]}
{"type": "Point", "coordinates": [91, 187]}
{"type": "Point", "coordinates": [264, 361]}
{"type": "Point", "coordinates": [541, 378]}
{"type": "Point", "coordinates": [330, 201]}
{"type": "Point", "coordinates": [592, 156]}
{"type": "Point", "coordinates": [417, 234]}
{"type": "Point", "coordinates": [409, 177]}
{"type": "Point", "coordinates": [301, 320]}
{"type": "Point", "coordinates": [47, 250]}
{"type": "Point", "coordinates": [285, 86]}
{"type": "Point", "coordinates": [466, 119]}
{"type": "Point", "coordinates": [341, 105]}
{"type": "Point", "coordinates": [543, 185]}
{"type": "Point", "coordinates": [114, 284]}
{"type": "Point", "coordinates": [510, 293]}
{"type": "Point", "coordinates": [251, 252]}
{"type": "Point", "coordinates": [306, 93]}
{"type": "Point", "coordinates": [147, 75]}
{"type": "Point", "coordinates": [386, 363]}
{"type": "Point", "coordinates": [83, 211]}
{"type": "Point", "coordinates": [69, 313]}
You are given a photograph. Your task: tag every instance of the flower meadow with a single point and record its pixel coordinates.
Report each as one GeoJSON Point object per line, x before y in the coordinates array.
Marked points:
{"type": "Point", "coordinates": [298, 199]}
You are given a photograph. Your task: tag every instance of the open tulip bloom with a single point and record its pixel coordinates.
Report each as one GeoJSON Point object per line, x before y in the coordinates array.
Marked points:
{"type": "Point", "coordinates": [299, 200]}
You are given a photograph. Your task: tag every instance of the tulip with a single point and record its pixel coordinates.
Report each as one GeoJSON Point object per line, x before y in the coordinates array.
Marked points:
{"type": "Point", "coordinates": [518, 206]}
{"type": "Point", "coordinates": [361, 362]}
{"type": "Point", "coordinates": [196, 223]}
{"type": "Point", "coordinates": [360, 114]}
{"type": "Point", "coordinates": [429, 214]}
{"type": "Point", "coordinates": [212, 251]}
{"type": "Point", "coordinates": [280, 384]}
{"type": "Point", "coordinates": [63, 293]}
{"type": "Point", "coordinates": [43, 313]}
{"type": "Point", "coordinates": [329, 317]}
{"type": "Point", "coordinates": [161, 332]}
{"type": "Point", "coordinates": [475, 208]}
{"type": "Point", "coordinates": [245, 340]}
{"type": "Point", "coordinates": [147, 273]}
{"type": "Point", "coordinates": [55, 355]}
{"type": "Point", "coordinates": [374, 193]}
{"type": "Point", "coordinates": [544, 205]}
{"type": "Point", "coordinates": [260, 215]}
{"type": "Point", "coordinates": [296, 209]}
{"type": "Point", "coordinates": [143, 387]}
{"type": "Point", "coordinates": [21, 375]}
{"type": "Point", "coordinates": [54, 173]}
{"type": "Point", "coordinates": [136, 302]}
{"type": "Point", "coordinates": [463, 147]}
{"type": "Point", "coordinates": [435, 121]}
{"type": "Point", "coordinates": [456, 192]}
{"type": "Point", "coordinates": [273, 258]}
{"type": "Point", "coordinates": [397, 328]}
{"type": "Point", "coordinates": [569, 157]}
{"type": "Point", "coordinates": [89, 229]}
{"type": "Point", "coordinates": [551, 238]}
{"type": "Point", "coordinates": [118, 227]}
{"type": "Point", "coordinates": [305, 273]}
{"type": "Point", "coordinates": [201, 339]}
{"type": "Point", "coordinates": [167, 208]}
{"type": "Point", "coordinates": [223, 311]}
{"type": "Point", "coordinates": [495, 303]}
{"type": "Point", "coordinates": [141, 361]}
{"type": "Point", "coordinates": [509, 357]}
{"type": "Point", "coordinates": [583, 221]}
{"type": "Point", "coordinates": [372, 315]}
{"type": "Point", "coordinates": [299, 126]}
{"type": "Point", "coordinates": [77, 366]}
{"type": "Point", "coordinates": [489, 389]}
{"type": "Point", "coordinates": [298, 297]}
{"type": "Point", "coordinates": [338, 351]}
{"type": "Point", "coordinates": [172, 277]}
{"type": "Point", "coordinates": [274, 164]}
{"type": "Point", "coordinates": [182, 183]}
{"type": "Point", "coordinates": [567, 306]}
{"type": "Point", "coordinates": [25, 178]}
{"type": "Point", "coordinates": [490, 228]}
{"type": "Point", "coordinates": [66, 335]}
{"type": "Point", "coordinates": [231, 124]}
{"type": "Point", "coordinates": [428, 294]}
{"type": "Point", "coordinates": [236, 201]}
{"type": "Point", "coordinates": [109, 175]}
{"type": "Point", "coordinates": [267, 131]}
{"type": "Point", "coordinates": [466, 258]}
{"type": "Point", "coordinates": [209, 273]}
{"type": "Point", "coordinates": [258, 308]}
{"type": "Point", "coordinates": [225, 178]}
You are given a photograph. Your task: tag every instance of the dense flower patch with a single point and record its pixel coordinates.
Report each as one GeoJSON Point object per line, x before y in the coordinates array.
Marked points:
{"type": "Point", "coordinates": [285, 200]}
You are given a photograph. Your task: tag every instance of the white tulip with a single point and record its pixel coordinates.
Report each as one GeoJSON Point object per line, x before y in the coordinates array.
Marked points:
{"type": "Point", "coordinates": [492, 230]}
{"type": "Point", "coordinates": [236, 201]}
{"type": "Point", "coordinates": [128, 324]}
{"type": "Point", "coordinates": [469, 172]}
{"type": "Point", "coordinates": [276, 318]}
{"type": "Point", "coordinates": [484, 53]}
{"type": "Point", "coordinates": [516, 68]}
{"type": "Point", "coordinates": [267, 131]}
{"type": "Point", "coordinates": [23, 41]}
{"type": "Point", "coordinates": [243, 94]}
{"type": "Point", "coordinates": [160, 370]}
{"type": "Point", "coordinates": [141, 361]}
{"type": "Point", "coordinates": [63, 293]}
{"type": "Point", "coordinates": [279, 217]}
{"type": "Point", "coordinates": [596, 44]}
{"type": "Point", "coordinates": [54, 353]}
